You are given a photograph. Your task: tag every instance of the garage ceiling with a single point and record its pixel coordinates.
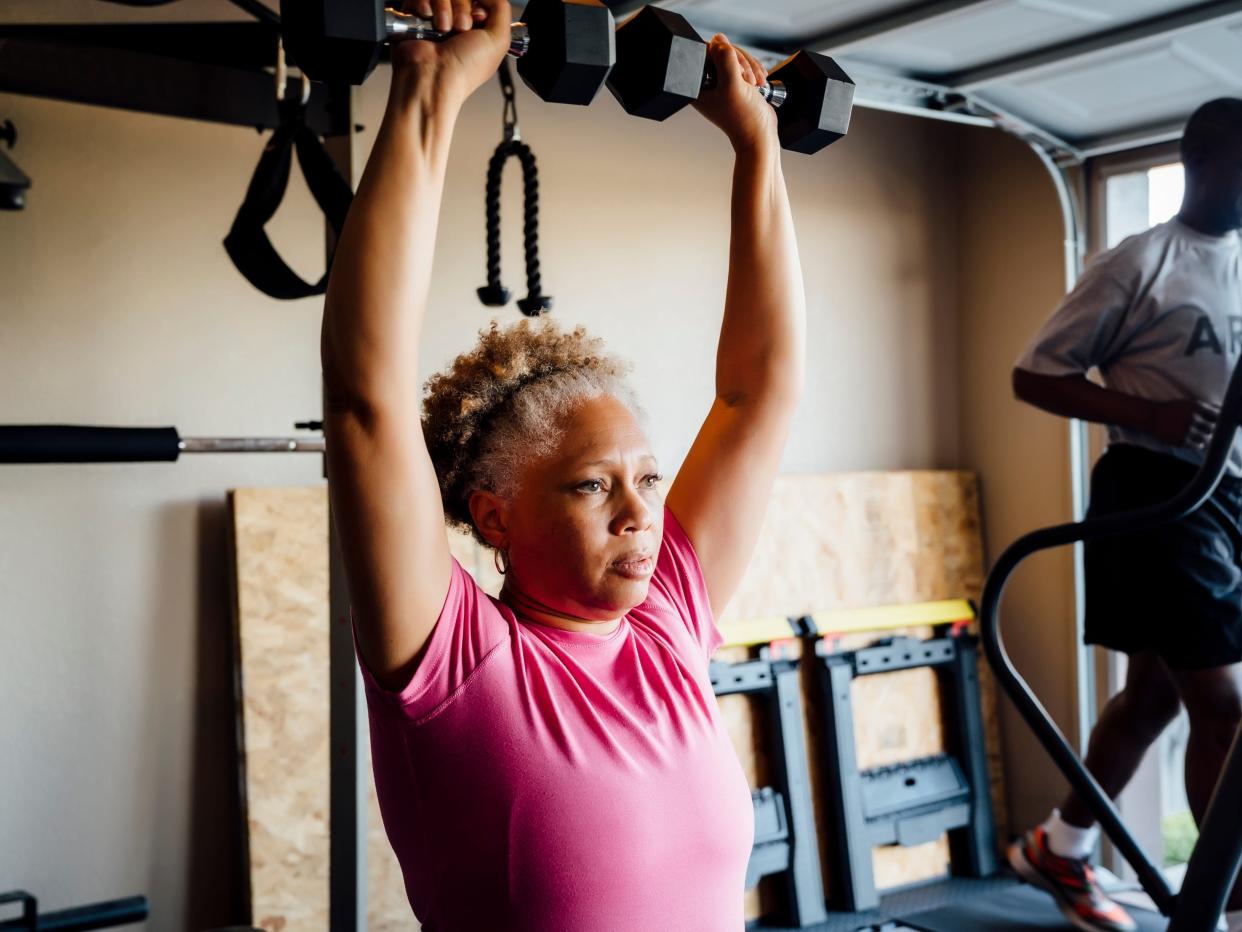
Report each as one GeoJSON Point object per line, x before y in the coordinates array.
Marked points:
{"type": "Point", "coordinates": [1098, 75]}
{"type": "Point", "coordinates": [1078, 77]}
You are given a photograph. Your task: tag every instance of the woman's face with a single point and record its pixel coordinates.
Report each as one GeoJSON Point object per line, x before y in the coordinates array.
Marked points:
{"type": "Point", "coordinates": [585, 528]}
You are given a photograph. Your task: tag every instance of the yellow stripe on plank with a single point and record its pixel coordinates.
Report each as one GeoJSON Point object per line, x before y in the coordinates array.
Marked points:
{"type": "Point", "coordinates": [747, 633]}
{"type": "Point", "coordinates": [753, 631]}
{"type": "Point", "coordinates": [887, 617]}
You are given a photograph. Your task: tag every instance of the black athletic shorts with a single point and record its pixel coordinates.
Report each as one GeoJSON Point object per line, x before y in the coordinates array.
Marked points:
{"type": "Point", "coordinates": [1177, 589]}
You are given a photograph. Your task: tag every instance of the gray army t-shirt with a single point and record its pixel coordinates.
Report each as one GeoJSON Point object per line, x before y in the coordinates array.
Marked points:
{"type": "Point", "coordinates": [1160, 316]}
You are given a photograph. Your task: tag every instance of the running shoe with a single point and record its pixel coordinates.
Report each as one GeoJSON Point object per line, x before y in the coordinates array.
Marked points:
{"type": "Point", "coordinates": [1071, 882]}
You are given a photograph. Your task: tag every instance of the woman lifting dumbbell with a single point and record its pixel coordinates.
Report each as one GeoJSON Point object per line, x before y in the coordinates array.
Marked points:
{"type": "Point", "coordinates": [555, 758]}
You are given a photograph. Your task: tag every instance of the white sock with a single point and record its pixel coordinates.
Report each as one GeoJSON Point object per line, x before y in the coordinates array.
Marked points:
{"type": "Point", "coordinates": [1070, 841]}
{"type": "Point", "coordinates": [1233, 921]}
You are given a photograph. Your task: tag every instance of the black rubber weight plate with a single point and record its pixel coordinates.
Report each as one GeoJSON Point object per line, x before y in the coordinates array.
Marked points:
{"type": "Point", "coordinates": [1018, 908]}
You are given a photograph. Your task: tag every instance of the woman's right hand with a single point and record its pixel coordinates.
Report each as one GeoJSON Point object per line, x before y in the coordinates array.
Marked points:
{"type": "Point", "coordinates": [460, 64]}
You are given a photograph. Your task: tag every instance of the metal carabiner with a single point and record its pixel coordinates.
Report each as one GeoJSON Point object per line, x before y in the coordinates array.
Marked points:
{"type": "Point", "coordinates": [512, 133]}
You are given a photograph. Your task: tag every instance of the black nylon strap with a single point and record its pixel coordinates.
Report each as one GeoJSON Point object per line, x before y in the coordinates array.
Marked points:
{"type": "Point", "coordinates": [247, 243]}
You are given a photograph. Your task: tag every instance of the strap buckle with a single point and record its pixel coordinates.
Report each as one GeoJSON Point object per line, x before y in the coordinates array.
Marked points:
{"type": "Point", "coordinates": [282, 75]}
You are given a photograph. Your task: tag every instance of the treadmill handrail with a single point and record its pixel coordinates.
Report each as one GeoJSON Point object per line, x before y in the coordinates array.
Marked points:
{"type": "Point", "coordinates": [1188, 500]}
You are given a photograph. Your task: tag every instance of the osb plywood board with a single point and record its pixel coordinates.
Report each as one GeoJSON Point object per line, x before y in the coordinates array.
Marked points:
{"type": "Point", "coordinates": [853, 540]}
{"type": "Point", "coordinates": [281, 640]}
{"type": "Point", "coordinates": [281, 650]}
{"type": "Point", "coordinates": [837, 541]}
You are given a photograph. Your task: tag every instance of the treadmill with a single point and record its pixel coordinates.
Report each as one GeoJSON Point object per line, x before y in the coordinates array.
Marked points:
{"type": "Point", "coordinates": [1005, 904]}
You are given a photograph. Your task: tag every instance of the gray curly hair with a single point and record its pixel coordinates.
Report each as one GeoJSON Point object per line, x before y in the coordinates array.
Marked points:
{"type": "Point", "coordinates": [500, 405]}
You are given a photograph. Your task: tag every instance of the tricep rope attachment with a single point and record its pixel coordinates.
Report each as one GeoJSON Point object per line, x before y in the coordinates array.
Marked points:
{"type": "Point", "coordinates": [495, 294]}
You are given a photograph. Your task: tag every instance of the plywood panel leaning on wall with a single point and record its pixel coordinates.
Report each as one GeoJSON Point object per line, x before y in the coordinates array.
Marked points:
{"type": "Point", "coordinates": [280, 571]}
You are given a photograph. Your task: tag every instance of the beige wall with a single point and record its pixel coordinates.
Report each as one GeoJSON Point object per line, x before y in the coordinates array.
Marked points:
{"type": "Point", "coordinates": [1012, 275]}
{"type": "Point", "coordinates": [119, 306]}
{"type": "Point", "coordinates": [634, 238]}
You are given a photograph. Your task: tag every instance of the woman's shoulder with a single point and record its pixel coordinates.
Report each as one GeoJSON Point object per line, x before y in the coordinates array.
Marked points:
{"type": "Point", "coordinates": [470, 627]}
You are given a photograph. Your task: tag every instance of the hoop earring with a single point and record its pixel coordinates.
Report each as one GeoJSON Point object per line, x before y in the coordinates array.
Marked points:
{"type": "Point", "coordinates": [500, 560]}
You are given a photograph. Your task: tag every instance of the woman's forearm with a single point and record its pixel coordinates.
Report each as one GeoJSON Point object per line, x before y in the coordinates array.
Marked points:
{"type": "Point", "coordinates": [377, 292]}
{"type": "Point", "coordinates": [762, 339]}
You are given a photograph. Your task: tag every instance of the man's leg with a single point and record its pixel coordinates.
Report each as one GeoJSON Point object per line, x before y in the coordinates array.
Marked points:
{"type": "Point", "coordinates": [1054, 855]}
{"type": "Point", "coordinates": [1129, 724]}
{"type": "Point", "coordinates": [1213, 699]}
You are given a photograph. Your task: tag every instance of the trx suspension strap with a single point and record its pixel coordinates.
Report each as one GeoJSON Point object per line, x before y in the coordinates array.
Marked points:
{"type": "Point", "coordinates": [247, 243]}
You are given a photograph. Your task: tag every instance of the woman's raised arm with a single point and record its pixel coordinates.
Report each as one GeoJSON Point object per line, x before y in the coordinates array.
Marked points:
{"type": "Point", "coordinates": [721, 492]}
{"type": "Point", "coordinates": [384, 492]}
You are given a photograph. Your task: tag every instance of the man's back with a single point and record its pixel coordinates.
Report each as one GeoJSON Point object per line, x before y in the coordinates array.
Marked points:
{"type": "Point", "coordinates": [1160, 316]}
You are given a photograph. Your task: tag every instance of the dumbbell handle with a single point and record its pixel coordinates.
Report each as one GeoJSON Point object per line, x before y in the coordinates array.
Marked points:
{"type": "Point", "coordinates": [773, 92]}
{"type": "Point", "coordinates": [402, 26]}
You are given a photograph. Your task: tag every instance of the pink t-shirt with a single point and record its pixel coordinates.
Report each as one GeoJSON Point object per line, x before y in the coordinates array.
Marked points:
{"type": "Point", "coordinates": [554, 781]}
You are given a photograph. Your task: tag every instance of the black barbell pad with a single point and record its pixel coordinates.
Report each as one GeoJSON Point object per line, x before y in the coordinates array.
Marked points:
{"type": "Point", "coordinates": [63, 443]}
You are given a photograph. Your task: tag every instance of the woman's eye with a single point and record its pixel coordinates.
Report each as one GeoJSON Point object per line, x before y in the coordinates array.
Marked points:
{"type": "Point", "coordinates": [591, 485]}
{"type": "Point", "coordinates": [652, 480]}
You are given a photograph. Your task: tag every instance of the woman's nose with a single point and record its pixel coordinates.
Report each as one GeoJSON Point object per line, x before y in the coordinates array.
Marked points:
{"type": "Point", "coordinates": [634, 513]}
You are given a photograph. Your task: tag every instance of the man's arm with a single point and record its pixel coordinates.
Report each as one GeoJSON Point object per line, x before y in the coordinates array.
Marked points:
{"type": "Point", "coordinates": [1174, 422]}
{"type": "Point", "coordinates": [385, 496]}
{"type": "Point", "coordinates": [722, 490]}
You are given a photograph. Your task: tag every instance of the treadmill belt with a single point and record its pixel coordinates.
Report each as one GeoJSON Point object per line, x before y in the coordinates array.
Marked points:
{"type": "Point", "coordinates": [1018, 908]}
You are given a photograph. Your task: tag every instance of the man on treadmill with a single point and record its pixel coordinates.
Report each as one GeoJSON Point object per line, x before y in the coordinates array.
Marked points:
{"type": "Point", "coordinates": [1160, 317]}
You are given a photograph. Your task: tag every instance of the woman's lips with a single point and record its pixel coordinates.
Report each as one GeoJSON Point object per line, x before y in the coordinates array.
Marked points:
{"type": "Point", "coordinates": [635, 565]}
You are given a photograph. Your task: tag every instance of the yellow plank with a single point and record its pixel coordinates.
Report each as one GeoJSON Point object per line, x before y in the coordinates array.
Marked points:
{"type": "Point", "coordinates": [752, 631]}
{"type": "Point", "coordinates": [887, 617]}
{"type": "Point", "coordinates": [756, 631]}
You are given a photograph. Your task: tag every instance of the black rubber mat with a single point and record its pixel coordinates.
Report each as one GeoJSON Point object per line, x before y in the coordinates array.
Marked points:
{"type": "Point", "coordinates": [996, 904]}
{"type": "Point", "coordinates": [1019, 908]}
{"type": "Point", "coordinates": [903, 903]}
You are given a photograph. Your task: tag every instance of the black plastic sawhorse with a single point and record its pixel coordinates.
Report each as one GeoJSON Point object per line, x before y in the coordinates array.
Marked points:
{"type": "Point", "coordinates": [785, 838]}
{"type": "Point", "coordinates": [915, 801]}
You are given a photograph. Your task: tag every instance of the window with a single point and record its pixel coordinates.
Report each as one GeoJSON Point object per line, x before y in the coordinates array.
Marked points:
{"type": "Point", "coordinates": [1139, 200]}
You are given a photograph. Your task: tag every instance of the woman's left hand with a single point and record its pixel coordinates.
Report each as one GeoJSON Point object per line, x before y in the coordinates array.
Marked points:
{"type": "Point", "coordinates": [733, 104]}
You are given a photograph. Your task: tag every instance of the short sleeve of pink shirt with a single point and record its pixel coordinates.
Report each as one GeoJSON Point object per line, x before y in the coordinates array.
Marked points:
{"type": "Point", "coordinates": [534, 778]}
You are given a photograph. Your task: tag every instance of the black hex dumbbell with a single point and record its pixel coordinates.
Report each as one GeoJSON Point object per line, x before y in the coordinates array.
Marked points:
{"type": "Point", "coordinates": [564, 48]}
{"type": "Point", "coordinates": [662, 66]}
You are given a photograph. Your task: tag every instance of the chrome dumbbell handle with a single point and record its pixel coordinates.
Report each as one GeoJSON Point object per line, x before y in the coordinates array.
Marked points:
{"type": "Point", "coordinates": [773, 92]}
{"type": "Point", "coordinates": [401, 26]}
